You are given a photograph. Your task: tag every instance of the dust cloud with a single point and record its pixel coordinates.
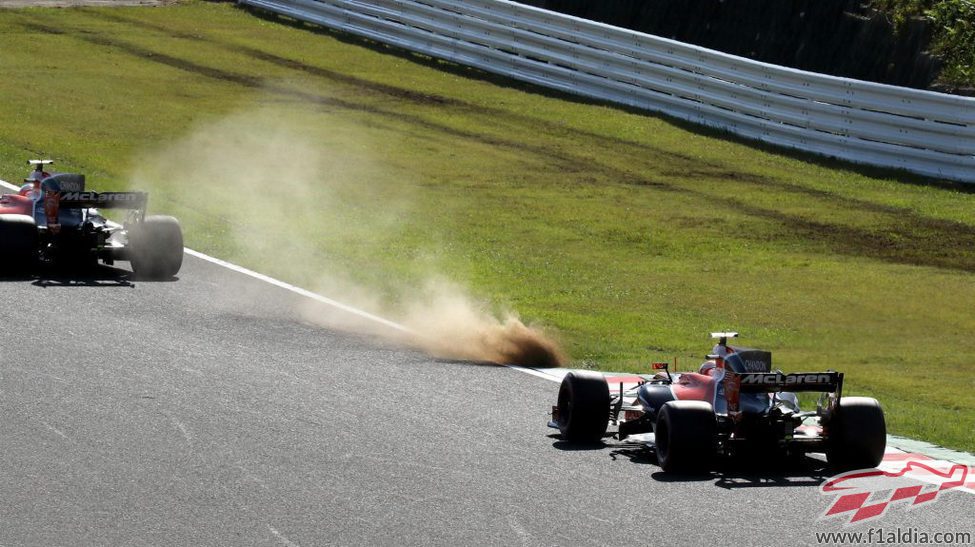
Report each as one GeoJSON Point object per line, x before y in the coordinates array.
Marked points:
{"type": "Point", "coordinates": [450, 323]}
{"type": "Point", "coordinates": [281, 194]}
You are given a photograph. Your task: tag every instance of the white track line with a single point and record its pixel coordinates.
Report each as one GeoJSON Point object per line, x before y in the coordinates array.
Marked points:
{"type": "Point", "coordinates": [298, 290]}
{"type": "Point", "coordinates": [902, 443]}
{"type": "Point", "coordinates": [538, 373]}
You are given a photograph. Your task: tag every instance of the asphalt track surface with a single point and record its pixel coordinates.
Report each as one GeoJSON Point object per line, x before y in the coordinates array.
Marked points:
{"type": "Point", "coordinates": [204, 411]}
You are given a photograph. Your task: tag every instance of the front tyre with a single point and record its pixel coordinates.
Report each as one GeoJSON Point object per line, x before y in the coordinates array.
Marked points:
{"type": "Point", "coordinates": [857, 434]}
{"type": "Point", "coordinates": [156, 247]}
{"type": "Point", "coordinates": [686, 435]}
{"type": "Point", "coordinates": [583, 407]}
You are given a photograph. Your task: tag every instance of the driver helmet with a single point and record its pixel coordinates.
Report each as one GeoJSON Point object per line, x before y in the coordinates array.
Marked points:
{"type": "Point", "coordinates": [29, 191]}
{"type": "Point", "coordinates": [721, 351]}
{"type": "Point", "coordinates": [32, 180]}
{"type": "Point", "coordinates": [707, 367]}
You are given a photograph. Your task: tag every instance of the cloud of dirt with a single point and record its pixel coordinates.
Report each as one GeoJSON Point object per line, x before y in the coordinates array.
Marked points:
{"type": "Point", "coordinates": [276, 191]}
{"type": "Point", "coordinates": [450, 323]}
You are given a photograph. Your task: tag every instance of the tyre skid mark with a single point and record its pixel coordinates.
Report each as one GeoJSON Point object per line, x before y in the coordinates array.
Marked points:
{"type": "Point", "coordinates": [281, 537]}
{"type": "Point", "coordinates": [57, 431]}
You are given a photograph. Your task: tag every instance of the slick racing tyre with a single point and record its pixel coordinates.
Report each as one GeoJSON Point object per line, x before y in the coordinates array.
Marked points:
{"type": "Point", "coordinates": [856, 434]}
{"type": "Point", "coordinates": [583, 407]}
{"type": "Point", "coordinates": [156, 248]}
{"type": "Point", "coordinates": [686, 436]}
{"type": "Point", "coordinates": [18, 244]}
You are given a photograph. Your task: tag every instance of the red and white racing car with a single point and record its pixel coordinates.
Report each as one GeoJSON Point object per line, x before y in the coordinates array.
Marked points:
{"type": "Point", "coordinates": [733, 403]}
{"type": "Point", "coordinates": [53, 219]}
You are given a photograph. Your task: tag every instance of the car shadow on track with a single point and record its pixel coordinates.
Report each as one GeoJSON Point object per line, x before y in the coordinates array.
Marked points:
{"type": "Point", "coordinates": [566, 446]}
{"type": "Point", "coordinates": [730, 473]}
{"type": "Point", "coordinates": [734, 474]}
{"type": "Point", "coordinates": [95, 276]}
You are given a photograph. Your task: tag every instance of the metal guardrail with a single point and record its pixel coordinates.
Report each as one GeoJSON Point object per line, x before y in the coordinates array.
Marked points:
{"type": "Point", "coordinates": [923, 132]}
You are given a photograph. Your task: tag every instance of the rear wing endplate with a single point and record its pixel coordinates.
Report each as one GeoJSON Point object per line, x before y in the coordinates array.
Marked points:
{"type": "Point", "coordinates": [104, 200]}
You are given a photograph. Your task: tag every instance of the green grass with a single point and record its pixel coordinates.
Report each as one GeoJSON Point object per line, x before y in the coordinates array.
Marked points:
{"type": "Point", "coordinates": [331, 162]}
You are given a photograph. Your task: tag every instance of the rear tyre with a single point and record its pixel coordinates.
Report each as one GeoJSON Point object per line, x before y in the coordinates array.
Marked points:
{"type": "Point", "coordinates": [18, 245]}
{"type": "Point", "coordinates": [686, 436]}
{"type": "Point", "coordinates": [583, 407]}
{"type": "Point", "coordinates": [857, 434]}
{"type": "Point", "coordinates": [156, 248]}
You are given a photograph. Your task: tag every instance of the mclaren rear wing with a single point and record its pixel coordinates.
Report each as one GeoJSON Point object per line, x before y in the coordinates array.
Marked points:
{"type": "Point", "coordinates": [104, 200]}
{"type": "Point", "coordinates": [769, 382]}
